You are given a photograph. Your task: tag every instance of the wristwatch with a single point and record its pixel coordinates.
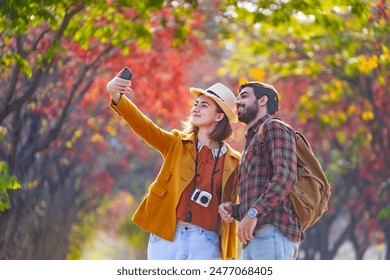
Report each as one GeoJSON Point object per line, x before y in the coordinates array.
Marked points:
{"type": "Point", "coordinates": [252, 213]}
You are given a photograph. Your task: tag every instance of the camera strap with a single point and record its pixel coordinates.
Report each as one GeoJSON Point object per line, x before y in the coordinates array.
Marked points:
{"type": "Point", "coordinates": [213, 172]}
{"type": "Point", "coordinates": [188, 216]}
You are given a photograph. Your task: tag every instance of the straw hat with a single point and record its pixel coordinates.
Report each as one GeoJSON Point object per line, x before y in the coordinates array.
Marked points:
{"type": "Point", "coordinates": [223, 96]}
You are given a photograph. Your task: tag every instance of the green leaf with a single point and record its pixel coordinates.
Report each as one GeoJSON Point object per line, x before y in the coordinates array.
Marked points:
{"type": "Point", "coordinates": [6, 183]}
{"type": "Point", "coordinates": [384, 213]}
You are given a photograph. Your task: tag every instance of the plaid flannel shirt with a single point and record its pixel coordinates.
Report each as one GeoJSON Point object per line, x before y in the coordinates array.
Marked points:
{"type": "Point", "coordinates": [266, 178]}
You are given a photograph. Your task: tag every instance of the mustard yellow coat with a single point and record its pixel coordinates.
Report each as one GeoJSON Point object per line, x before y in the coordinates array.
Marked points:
{"type": "Point", "coordinates": [157, 212]}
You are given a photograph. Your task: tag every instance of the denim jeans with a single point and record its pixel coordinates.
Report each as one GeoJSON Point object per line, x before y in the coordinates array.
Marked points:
{"type": "Point", "coordinates": [190, 243]}
{"type": "Point", "coordinates": [270, 244]}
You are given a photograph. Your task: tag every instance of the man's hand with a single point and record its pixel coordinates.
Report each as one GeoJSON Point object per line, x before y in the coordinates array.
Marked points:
{"type": "Point", "coordinates": [245, 229]}
{"type": "Point", "coordinates": [225, 210]}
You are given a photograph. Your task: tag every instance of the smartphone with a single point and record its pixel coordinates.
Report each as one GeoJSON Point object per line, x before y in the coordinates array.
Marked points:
{"type": "Point", "coordinates": [126, 73]}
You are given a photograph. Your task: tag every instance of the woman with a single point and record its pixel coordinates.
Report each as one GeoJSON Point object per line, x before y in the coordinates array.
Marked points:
{"type": "Point", "coordinates": [199, 172]}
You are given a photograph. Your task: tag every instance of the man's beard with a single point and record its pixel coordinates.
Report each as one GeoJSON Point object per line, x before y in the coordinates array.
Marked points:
{"type": "Point", "coordinates": [249, 113]}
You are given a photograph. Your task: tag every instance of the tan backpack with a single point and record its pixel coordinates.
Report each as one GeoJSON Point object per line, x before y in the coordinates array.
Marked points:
{"type": "Point", "coordinates": [310, 196]}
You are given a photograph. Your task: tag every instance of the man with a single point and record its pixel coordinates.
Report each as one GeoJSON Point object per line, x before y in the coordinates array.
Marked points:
{"type": "Point", "coordinates": [268, 227]}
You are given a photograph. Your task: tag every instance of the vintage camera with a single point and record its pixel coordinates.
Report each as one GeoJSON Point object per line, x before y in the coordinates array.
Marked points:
{"type": "Point", "coordinates": [201, 197]}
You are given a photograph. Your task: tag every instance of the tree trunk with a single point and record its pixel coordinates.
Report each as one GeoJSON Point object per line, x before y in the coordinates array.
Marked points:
{"type": "Point", "coordinates": [38, 224]}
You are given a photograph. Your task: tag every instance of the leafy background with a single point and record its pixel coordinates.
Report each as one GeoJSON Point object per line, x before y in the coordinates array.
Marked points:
{"type": "Point", "coordinates": [72, 173]}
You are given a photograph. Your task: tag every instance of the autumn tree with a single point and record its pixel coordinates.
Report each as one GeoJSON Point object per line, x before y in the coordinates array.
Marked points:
{"type": "Point", "coordinates": [53, 123]}
{"type": "Point", "coordinates": [330, 62]}
{"type": "Point", "coordinates": [64, 149]}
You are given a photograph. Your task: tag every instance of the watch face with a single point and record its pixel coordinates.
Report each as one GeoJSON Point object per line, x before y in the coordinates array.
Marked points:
{"type": "Point", "coordinates": [252, 213]}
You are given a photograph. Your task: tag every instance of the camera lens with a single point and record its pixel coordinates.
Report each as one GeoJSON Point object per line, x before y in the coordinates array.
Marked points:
{"type": "Point", "coordinates": [204, 199]}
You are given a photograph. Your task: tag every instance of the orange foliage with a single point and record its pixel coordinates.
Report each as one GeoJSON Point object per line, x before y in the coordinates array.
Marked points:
{"type": "Point", "coordinates": [160, 89]}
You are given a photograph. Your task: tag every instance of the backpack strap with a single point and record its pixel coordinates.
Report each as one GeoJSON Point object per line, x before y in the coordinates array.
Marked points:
{"type": "Point", "coordinates": [260, 135]}
{"type": "Point", "coordinates": [263, 144]}
{"type": "Point", "coordinates": [261, 129]}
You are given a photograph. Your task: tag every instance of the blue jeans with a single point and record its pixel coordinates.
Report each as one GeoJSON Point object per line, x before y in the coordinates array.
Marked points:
{"type": "Point", "coordinates": [190, 243]}
{"type": "Point", "coordinates": [270, 244]}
